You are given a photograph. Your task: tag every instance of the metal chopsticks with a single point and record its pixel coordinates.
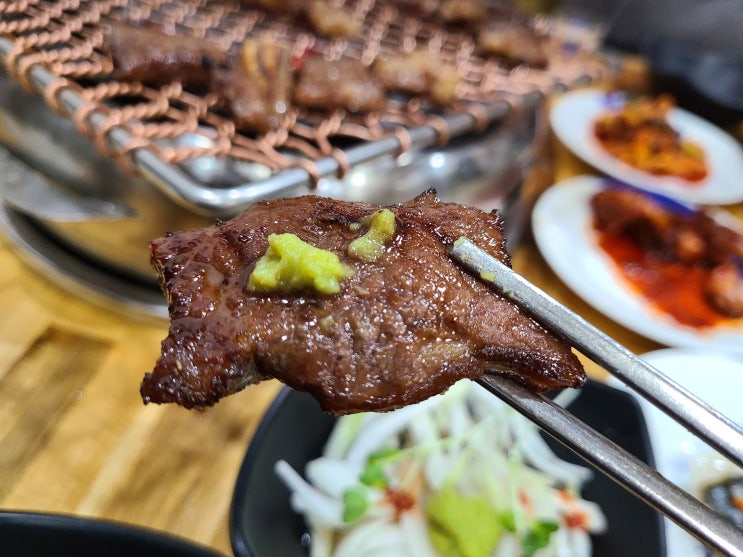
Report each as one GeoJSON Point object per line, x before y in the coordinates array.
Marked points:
{"type": "Point", "coordinates": [712, 427]}
{"type": "Point", "coordinates": [710, 527]}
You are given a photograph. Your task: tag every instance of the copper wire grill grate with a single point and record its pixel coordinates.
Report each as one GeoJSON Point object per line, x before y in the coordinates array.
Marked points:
{"type": "Point", "coordinates": [56, 48]}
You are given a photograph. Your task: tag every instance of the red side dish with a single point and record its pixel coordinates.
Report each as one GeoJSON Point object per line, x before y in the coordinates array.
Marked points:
{"type": "Point", "coordinates": [674, 289]}
{"type": "Point", "coordinates": [681, 260]}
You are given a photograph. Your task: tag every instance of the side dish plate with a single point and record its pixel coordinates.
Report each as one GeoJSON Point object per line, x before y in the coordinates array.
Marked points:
{"type": "Point", "coordinates": [573, 116]}
{"type": "Point", "coordinates": [563, 230]}
{"type": "Point", "coordinates": [680, 456]}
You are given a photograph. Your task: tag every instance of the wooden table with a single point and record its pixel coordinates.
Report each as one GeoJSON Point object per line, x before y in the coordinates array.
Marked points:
{"type": "Point", "coordinates": [76, 438]}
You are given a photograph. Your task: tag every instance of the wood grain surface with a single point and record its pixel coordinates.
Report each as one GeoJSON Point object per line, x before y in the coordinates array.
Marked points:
{"type": "Point", "coordinates": [76, 438]}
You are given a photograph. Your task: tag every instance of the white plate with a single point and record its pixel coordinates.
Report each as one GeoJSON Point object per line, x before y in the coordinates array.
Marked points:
{"type": "Point", "coordinates": [563, 230]}
{"type": "Point", "coordinates": [573, 116]}
{"type": "Point", "coordinates": [681, 457]}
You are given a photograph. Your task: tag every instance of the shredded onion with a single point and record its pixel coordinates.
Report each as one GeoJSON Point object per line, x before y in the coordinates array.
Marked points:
{"type": "Point", "coordinates": [367, 495]}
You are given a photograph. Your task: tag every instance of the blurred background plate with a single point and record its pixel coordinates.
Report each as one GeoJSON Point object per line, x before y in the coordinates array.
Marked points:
{"type": "Point", "coordinates": [27, 534]}
{"type": "Point", "coordinates": [572, 118]}
{"type": "Point", "coordinates": [563, 231]}
{"type": "Point", "coordinates": [717, 379]}
{"type": "Point", "coordinates": [262, 523]}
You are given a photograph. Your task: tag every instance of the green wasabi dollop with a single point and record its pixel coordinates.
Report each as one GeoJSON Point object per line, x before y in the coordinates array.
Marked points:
{"type": "Point", "coordinates": [463, 526]}
{"type": "Point", "coordinates": [371, 245]}
{"type": "Point", "coordinates": [291, 264]}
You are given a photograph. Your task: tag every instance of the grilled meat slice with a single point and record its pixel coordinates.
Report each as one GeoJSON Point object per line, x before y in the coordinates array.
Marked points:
{"type": "Point", "coordinates": [331, 20]}
{"type": "Point", "coordinates": [514, 42]}
{"type": "Point", "coordinates": [418, 72]}
{"type": "Point", "coordinates": [463, 11]}
{"type": "Point", "coordinates": [155, 58]}
{"type": "Point", "coordinates": [256, 85]}
{"type": "Point", "coordinates": [404, 326]}
{"type": "Point", "coordinates": [333, 84]}
{"type": "Point", "coordinates": [292, 7]}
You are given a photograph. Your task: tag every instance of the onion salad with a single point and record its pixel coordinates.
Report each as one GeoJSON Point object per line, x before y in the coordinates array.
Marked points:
{"type": "Point", "coordinates": [460, 474]}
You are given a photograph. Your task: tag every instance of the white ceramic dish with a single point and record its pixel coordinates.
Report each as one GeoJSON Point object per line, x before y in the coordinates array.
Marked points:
{"type": "Point", "coordinates": [573, 116]}
{"type": "Point", "coordinates": [685, 460]}
{"type": "Point", "coordinates": [563, 231]}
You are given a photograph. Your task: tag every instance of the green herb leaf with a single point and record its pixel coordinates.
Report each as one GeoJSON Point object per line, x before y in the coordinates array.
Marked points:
{"type": "Point", "coordinates": [382, 454]}
{"type": "Point", "coordinates": [355, 504]}
{"type": "Point", "coordinates": [538, 537]}
{"type": "Point", "coordinates": [508, 521]}
{"type": "Point", "coordinates": [373, 475]}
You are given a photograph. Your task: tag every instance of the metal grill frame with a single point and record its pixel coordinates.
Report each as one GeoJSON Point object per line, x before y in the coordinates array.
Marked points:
{"type": "Point", "coordinates": [145, 133]}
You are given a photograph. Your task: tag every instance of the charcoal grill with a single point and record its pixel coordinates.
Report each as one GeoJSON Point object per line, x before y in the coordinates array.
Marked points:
{"type": "Point", "coordinates": [161, 159]}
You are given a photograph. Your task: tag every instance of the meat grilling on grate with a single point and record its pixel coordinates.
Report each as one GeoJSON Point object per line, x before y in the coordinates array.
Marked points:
{"type": "Point", "coordinates": [256, 84]}
{"type": "Point", "coordinates": [418, 73]}
{"type": "Point", "coordinates": [333, 84]}
{"type": "Point", "coordinates": [154, 57]}
{"type": "Point", "coordinates": [514, 42]}
{"type": "Point", "coordinates": [404, 326]}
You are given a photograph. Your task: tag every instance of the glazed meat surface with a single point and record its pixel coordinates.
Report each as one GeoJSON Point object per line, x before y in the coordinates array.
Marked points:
{"type": "Point", "coordinates": [332, 84]}
{"type": "Point", "coordinates": [333, 21]}
{"type": "Point", "coordinates": [463, 11]}
{"type": "Point", "coordinates": [156, 58]}
{"type": "Point", "coordinates": [404, 326]}
{"type": "Point", "coordinates": [257, 85]}
{"type": "Point", "coordinates": [513, 41]}
{"type": "Point", "coordinates": [418, 73]}
{"type": "Point", "coordinates": [293, 7]}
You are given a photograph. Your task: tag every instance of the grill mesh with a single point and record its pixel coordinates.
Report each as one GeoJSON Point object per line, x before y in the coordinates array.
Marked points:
{"type": "Point", "coordinates": [66, 39]}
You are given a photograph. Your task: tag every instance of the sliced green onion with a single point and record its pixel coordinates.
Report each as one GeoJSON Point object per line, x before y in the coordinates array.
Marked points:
{"type": "Point", "coordinates": [373, 475]}
{"type": "Point", "coordinates": [355, 503]}
{"type": "Point", "coordinates": [538, 537]}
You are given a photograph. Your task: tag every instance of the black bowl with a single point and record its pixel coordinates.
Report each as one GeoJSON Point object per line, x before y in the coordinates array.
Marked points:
{"type": "Point", "coordinates": [28, 534]}
{"type": "Point", "coordinates": [262, 523]}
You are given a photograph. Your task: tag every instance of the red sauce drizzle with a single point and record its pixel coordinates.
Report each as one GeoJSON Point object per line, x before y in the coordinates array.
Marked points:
{"type": "Point", "coordinates": [672, 288]}
{"type": "Point", "coordinates": [576, 520]}
{"type": "Point", "coordinates": [401, 500]}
